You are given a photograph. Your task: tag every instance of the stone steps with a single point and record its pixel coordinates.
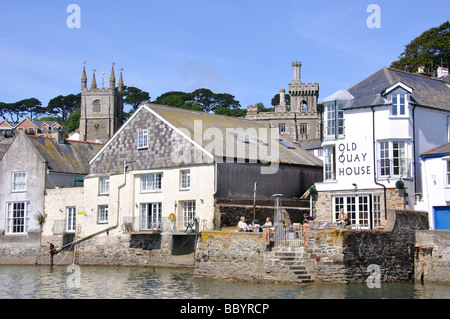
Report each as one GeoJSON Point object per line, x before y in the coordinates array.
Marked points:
{"type": "Point", "coordinates": [291, 257]}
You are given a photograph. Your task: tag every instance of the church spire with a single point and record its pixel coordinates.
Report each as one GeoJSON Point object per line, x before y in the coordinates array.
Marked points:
{"type": "Point", "coordinates": [112, 78]}
{"type": "Point", "coordinates": [120, 84]}
{"type": "Point", "coordinates": [84, 79]}
{"type": "Point", "coordinates": [94, 82]}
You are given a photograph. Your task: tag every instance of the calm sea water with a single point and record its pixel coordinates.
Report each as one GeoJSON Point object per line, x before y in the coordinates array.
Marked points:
{"type": "Point", "coordinates": [34, 282]}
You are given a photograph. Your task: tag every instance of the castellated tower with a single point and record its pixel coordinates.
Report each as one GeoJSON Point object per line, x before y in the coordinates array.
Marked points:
{"type": "Point", "coordinates": [298, 120]}
{"type": "Point", "coordinates": [101, 108]}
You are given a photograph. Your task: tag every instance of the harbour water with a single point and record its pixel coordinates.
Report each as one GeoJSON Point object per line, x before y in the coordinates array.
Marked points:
{"type": "Point", "coordinates": [61, 282]}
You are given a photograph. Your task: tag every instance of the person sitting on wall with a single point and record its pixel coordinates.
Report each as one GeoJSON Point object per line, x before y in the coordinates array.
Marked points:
{"type": "Point", "coordinates": [307, 218]}
{"type": "Point", "coordinates": [268, 223]}
{"type": "Point", "coordinates": [342, 219]}
{"type": "Point", "coordinates": [242, 225]}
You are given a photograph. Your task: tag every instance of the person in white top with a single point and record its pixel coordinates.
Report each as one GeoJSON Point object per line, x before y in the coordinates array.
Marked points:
{"type": "Point", "coordinates": [242, 225]}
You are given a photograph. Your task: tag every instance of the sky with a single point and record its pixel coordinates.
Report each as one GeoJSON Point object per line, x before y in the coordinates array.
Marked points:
{"type": "Point", "coordinates": [241, 47]}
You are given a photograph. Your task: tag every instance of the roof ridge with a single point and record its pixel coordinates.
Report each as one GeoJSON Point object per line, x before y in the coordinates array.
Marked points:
{"type": "Point", "coordinates": [416, 74]}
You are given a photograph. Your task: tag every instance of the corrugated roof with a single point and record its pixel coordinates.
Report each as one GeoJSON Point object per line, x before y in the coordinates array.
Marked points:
{"type": "Point", "coordinates": [429, 92]}
{"type": "Point", "coordinates": [71, 157]}
{"type": "Point", "coordinates": [237, 134]}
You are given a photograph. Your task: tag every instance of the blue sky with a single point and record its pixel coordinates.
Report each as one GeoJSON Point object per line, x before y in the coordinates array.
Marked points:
{"type": "Point", "coordinates": [243, 47]}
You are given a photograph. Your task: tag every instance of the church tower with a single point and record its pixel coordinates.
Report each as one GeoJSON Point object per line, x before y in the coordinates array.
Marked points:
{"type": "Point", "coordinates": [101, 108]}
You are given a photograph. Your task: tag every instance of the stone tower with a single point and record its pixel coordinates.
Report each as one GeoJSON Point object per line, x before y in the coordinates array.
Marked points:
{"type": "Point", "coordinates": [300, 120]}
{"type": "Point", "coordinates": [101, 108]}
{"type": "Point", "coordinates": [303, 96]}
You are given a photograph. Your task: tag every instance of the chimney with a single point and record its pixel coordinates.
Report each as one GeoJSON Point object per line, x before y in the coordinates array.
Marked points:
{"type": "Point", "coordinates": [59, 136]}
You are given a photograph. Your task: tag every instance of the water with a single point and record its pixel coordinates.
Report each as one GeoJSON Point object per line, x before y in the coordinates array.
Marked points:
{"type": "Point", "coordinates": [34, 282]}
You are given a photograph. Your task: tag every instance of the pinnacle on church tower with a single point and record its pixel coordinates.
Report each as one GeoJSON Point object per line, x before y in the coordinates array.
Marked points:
{"type": "Point", "coordinates": [120, 84]}
{"type": "Point", "coordinates": [84, 79]}
{"type": "Point", "coordinates": [94, 82]}
{"type": "Point", "coordinates": [112, 79]}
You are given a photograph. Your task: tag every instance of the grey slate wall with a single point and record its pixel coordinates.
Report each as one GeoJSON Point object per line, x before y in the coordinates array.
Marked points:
{"type": "Point", "coordinates": [167, 148]}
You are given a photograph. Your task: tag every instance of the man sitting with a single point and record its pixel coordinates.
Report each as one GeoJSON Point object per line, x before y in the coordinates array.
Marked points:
{"type": "Point", "coordinates": [242, 225]}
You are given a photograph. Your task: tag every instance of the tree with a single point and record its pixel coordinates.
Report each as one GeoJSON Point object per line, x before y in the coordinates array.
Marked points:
{"type": "Point", "coordinates": [72, 122]}
{"type": "Point", "coordinates": [428, 50]}
{"type": "Point", "coordinates": [276, 99]}
{"type": "Point", "coordinates": [63, 106]}
{"type": "Point", "coordinates": [15, 110]}
{"type": "Point", "coordinates": [134, 96]}
{"type": "Point", "coordinates": [32, 106]}
{"type": "Point", "coordinates": [173, 98]}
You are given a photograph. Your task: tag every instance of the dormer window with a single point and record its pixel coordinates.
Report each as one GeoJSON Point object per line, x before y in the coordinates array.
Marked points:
{"type": "Point", "coordinates": [399, 104]}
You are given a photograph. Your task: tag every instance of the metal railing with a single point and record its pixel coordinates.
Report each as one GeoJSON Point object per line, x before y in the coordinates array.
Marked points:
{"type": "Point", "coordinates": [133, 224]}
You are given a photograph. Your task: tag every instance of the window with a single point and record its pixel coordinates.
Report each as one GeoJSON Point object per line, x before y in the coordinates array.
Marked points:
{"type": "Point", "coordinates": [17, 217]}
{"type": "Point", "coordinates": [151, 182]}
{"type": "Point", "coordinates": [185, 179]}
{"type": "Point", "coordinates": [102, 214]}
{"type": "Point", "coordinates": [19, 181]}
{"type": "Point", "coordinates": [333, 111]}
{"type": "Point", "coordinates": [394, 161]}
{"type": "Point", "coordinates": [282, 128]}
{"type": "Point", "coordinates": [104, 185]}
{"type": "Point", "coordinates": [151, 216]}
{"type": "Point", "coordinates": [188, 213]}
{"type": "Point", "coordinates": [357, 209]}
{"type": "Point", "coordinates": [303, 129]}
{"type": "Point", "coordinates": [70, 219]}
{"type": "Point", "coordinates": [96, 106]}
{"type": "Point", "coordinates": [143, 139]}
{"type": "Point", "coordinates": [447, 173]}
{"type": "Point", "coordinates": [399, 103]}
{"type": "Point", "coordinates": [329, 167]}
{"type": "Point", "coordinates": [376, 210]}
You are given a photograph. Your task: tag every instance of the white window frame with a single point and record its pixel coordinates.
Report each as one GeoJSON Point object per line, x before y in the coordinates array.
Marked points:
{"type": "Point", "coordinates": [17, 218]}
{"type": "Point", "coordinates": [446, 172]}
{"type": "Point", "coordinates": [102, 214]}
{"type": "Point", "coordinates": [150, 216]}
{"type": "Point", "coordinates": [185, 179]}
{"type": "Point", "coordinates": [151, 182]}
{"type": "Point", "coordinates": [282, 128]}
{"type": "Point", "coordinates": [71, 213]}
{"type": "Point", "coordinates": [399, 109]}
{"type": "Point", "coordinates": [142, 139]}
{"type": "Point", "coordinates": [18, 185]}
{"type": "Point", "coordinates": [393, 160]}
{"type": "Point", "coordinates": [329, 165]}
{"type": "Point", "coordinates": [189, 210]}
{"type": "Point", "coordinates": [103, 185]}
{"type": "Point", "coordinates": [357, 208]}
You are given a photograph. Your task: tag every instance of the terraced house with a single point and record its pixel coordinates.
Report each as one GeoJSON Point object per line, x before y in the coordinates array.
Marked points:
{"type": "Point", "coordinates": [374, 134]}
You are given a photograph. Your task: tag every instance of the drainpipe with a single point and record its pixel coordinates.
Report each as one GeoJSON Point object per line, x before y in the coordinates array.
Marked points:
{"type": "Point", "coordinates": [374, 163]}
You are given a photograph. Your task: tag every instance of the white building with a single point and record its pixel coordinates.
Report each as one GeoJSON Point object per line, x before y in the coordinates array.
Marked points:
{"type": "Point", "coordinates": [374, 133]}
{"type": "Point", "coordinates": [435, 165]}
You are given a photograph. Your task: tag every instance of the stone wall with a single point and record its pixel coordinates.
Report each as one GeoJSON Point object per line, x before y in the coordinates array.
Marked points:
{"type": "Point", "coordinates": [432, 256]}
{"type": "Point", "coordinates": [330, 255]}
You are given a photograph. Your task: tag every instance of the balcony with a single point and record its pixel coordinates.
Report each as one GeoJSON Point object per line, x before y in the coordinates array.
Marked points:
{"type": "Point", "coordinates": [132, 225]}
{"type": "Point", "coordinates": [394, 168]}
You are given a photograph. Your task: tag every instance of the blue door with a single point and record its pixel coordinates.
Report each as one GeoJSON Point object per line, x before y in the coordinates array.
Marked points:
{"type": "Point", "coordinates": [442, 217]}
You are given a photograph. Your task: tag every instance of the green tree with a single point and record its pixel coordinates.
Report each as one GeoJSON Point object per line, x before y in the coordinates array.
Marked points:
{"type": "Point", "coordinates": [134, 96]}
{"type": "Point", "coordinates": [276, 99]}
{"type": "Point", "coordinates": [173, 98]}
{"type": "Point", "coordinates": [63, 106]}
{"type": "Point", "coordinates": [428, 50]}
{"type": "Point", "coordinates": [72, 122]}
{"type": "Point", "coordinates": [32, 106]}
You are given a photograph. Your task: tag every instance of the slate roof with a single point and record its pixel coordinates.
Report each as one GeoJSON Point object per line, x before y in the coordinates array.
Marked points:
{"type": "Point", "coordinates": [443, 149]}
{"type": "Point", "coordinates": [72, 157]}
{"type": "Point", "coordinates": [426, 91]}
{"type": "Point", "coordinates": [190, 120]}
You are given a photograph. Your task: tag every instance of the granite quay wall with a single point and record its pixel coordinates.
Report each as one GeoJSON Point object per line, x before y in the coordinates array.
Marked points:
{"type": "Point", "coordinates": [432, 256]}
